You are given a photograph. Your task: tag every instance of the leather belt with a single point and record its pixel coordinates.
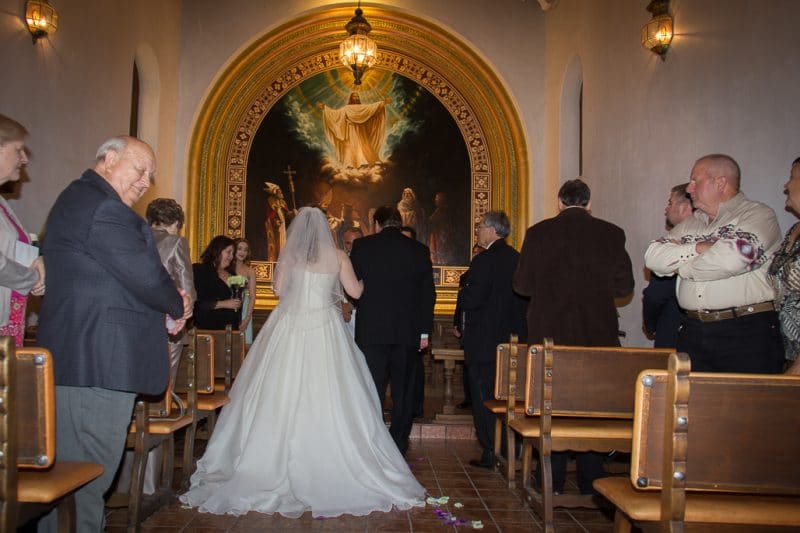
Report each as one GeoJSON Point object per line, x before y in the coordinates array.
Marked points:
{"type": "Point", "coordinates": [715, 315]}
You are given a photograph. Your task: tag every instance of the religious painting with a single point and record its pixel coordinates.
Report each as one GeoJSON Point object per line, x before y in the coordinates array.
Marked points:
{"type": "Point", "coordinates": [388, 142]}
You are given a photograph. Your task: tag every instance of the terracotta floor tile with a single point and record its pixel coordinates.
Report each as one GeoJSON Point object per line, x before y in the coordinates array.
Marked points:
{"type": "Point", "coordinates": [512, 515]}
{"type": "Point", "coordinates": [210, 520]}
{"type": "Point", "coordinates": [506, 527]}
{"type": "Point", "coordinates": [493, 502]}
{"type": "Point", "coordinates": [455, 494]}
{"type": "Point", "coordinates": [455, 483]}
{"type": "Point", "coordinates": [386, 526]}
{"type": "Point", "coordinates": [431, 526]}
{"type": "Point", "coordinates": [473, 514]}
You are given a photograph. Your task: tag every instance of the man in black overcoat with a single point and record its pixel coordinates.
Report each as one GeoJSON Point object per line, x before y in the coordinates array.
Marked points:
{"type": "Point", "coordinates": [572, 267]}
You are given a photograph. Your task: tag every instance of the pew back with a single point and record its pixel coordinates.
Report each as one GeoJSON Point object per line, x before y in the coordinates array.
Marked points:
{"type": "Point", "coordinates": [204, 366]}
{"type": "Point", "coordinates": [36, 414]}
{"type": "Point", "coordinates": [512, 364]}
{"type": "Point", "coordinates": [740, 433]}
{"type": "Point", "coordinates": [229, 352]}
{"type": "Point", "coordinates": [594, 382]}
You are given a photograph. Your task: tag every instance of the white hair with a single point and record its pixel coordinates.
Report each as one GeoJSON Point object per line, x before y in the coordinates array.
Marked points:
{"type": "Point", "coordinates": [114, 144]}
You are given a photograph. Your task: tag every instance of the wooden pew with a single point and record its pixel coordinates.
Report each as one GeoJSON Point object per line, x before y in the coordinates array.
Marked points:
{"type": "Point", "coordinates": [229, 353]}
{"type": "Point", "coordinates": [711, 448]}
{"type": "Point", "coordinates": [509, 400]}
{"type": "Point", "coordinates": [580, 399]}
{"type": "Point", "coordinates": [148, 431]}
{"type": "Point", "coordinates": [33, 482]}
{"type": "Point", "coordinates": [207, 398]}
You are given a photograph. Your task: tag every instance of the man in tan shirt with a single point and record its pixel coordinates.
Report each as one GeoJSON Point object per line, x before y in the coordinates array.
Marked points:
{"type": "Point", "coordinates": [720, 255]}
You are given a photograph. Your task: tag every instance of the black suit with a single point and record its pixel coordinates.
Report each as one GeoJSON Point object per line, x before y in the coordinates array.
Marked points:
{"type": "Point", "coordinates": [394, 310]}
{"type": "Point", "coordinates": [492, 312]}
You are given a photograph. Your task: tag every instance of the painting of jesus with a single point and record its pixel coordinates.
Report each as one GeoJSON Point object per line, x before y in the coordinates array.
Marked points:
{"type": "Point", "coordinates": [349, 152]}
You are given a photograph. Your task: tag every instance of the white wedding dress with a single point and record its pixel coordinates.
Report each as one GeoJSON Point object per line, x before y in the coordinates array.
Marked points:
{"type": "Point", "coordinates": [304, 429]}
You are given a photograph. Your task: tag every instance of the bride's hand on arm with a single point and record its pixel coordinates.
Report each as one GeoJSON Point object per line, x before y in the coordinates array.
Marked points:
{"type": "Point", "coordinates": [352, 285]}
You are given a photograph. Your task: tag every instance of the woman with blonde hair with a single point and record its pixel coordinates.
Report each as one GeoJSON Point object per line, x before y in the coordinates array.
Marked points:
{"type": "Point", "coordinates": [21, 269]}
{"type": "Point", "coordinates": [241, 260]}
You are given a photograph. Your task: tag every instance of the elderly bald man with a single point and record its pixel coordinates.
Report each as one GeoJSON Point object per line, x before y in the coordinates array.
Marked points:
{"type": "Point", "coordinates": [720, 255]}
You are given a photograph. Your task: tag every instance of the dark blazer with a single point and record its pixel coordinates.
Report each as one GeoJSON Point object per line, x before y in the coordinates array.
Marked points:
{"type": "Point", "coordinates": [572, 266]}
{"type": "Point", "coordinates": [107, 293]}
{"type": "Point", "coordinates": [398, 299]}
{"type": "Point", "coordinates": [661, 312]}
{"type": "Point", "coordinates": [492, 310]}
{"type": "Point", "coordinates": [210, 290]}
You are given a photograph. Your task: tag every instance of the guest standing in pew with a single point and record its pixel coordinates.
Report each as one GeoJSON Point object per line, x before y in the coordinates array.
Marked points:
{"type": "Point", "coordinates": [721, 256]}
{"type": "Point", "coordinates": [572, 267]}
{"type": "Point", "coordinates": [104, 318]}
{"type": "Point", "coordinates": [492, 312]}
{"type": "Point", "coordinates": [785, 273]}
{"type": "Point", "coordinates": [216, 307]}
{"type": "Point", "coordinates": [395, 312]}
{"type": "Point", "coordinates": [20, 273]}
{"type": "Point", "coordinates": [662, 316]}
{"type": "Point", "coordinates": [166, 218]}
{"type": "Point", "coordinates": [242, 266]}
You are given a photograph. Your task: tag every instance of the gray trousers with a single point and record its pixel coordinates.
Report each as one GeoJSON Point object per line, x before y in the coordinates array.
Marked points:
{"type": "Point", "coordinates": [91, 425]}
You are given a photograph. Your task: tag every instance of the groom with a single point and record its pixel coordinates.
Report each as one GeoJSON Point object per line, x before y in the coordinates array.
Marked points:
{"type": "Point", "coordinates": [395, 312]}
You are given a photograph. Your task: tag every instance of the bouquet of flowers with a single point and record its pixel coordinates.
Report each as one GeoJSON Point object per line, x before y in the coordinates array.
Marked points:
{"type": "Point", "coordinates": [237, 285]}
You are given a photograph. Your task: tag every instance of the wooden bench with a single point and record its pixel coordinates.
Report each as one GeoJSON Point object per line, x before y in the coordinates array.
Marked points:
{"type": "Point", "coordinates": [31, 481]}
{"type": "Point", "coordinates": [207, 398]}
{"type": "Point", "coordinates": [156, 426]}
{"type": "Point", "coordinates": [580, 399]}
{"type": "Point", "coordinates": [711, 448]}
{"type": "Point", "coordinates": [509, 401]}
{"type": "Point", "coordinates": [230, 350]}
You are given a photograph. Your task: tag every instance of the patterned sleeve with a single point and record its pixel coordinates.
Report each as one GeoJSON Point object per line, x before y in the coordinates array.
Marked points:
{"type": "Point", "coordinates": [743, 245]}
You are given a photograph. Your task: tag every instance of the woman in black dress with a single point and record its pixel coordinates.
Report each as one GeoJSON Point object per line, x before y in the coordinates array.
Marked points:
{"type": "Point", "coordinates": [215, 307]}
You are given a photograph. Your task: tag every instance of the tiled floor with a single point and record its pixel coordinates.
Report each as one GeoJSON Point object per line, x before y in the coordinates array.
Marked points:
{"type": "Point", "coordinates": [442, 466]}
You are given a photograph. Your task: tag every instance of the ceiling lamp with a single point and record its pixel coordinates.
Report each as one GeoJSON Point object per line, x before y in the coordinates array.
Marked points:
{"type": "Point", "coordinates": [42, 18]}
{"type": "Point", "coordinates": [657, 33]}
{"type": "Point", "coordinates": [358, 52]}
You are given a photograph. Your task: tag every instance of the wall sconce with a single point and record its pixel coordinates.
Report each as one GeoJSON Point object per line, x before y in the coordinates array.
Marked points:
{"type": "Point", "coordinates": [657, 33]}
{"type": "Point", "coordinates": [358, 52]}
{"type": "Point", "coordinates": [42, 18]}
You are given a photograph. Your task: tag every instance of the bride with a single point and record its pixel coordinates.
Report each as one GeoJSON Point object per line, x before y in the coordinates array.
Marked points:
{"type": "Point", "coordinates": [304, 429]}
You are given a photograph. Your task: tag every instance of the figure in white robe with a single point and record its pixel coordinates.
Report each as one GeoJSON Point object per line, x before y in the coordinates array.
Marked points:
{"type": "Point", "coordinates": [356, 131]}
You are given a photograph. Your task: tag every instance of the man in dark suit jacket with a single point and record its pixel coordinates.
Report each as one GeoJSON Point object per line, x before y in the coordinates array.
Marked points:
{"type": "Point", "coordinates": [104, 317]}
{"type": "Point", "coordinates": [492, 312]}
{"type": "Point", "coordinates": [572, 267]}
{"type": "Point", "coordinates": [660, 311]}
{"type": "Point", "coordinates": [395, 312]}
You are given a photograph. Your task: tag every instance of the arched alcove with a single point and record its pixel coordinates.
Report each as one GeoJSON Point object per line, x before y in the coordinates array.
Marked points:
{"type": "Point", "coordinates": [418, 49]}
{"type": "Point", "coordinates": [149, 104]}
{"type": "Point", "coordinates": [570, 122]}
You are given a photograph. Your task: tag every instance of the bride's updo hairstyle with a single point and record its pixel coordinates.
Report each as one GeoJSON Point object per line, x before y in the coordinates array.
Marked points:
{"type": "Point", "coordinates": [309, 248]}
